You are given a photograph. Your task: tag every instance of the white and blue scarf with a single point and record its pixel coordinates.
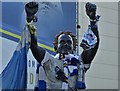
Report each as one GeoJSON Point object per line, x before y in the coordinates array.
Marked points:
{"type": "Point", "coordinates": [40, 80]}
{"type": "Point", "coordinates": [69, 67]}
{"type": "Point", "coordinates": [89, 39]}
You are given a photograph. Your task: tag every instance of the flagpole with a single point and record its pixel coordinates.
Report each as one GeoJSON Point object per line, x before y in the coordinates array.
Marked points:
{"type": "Point", "coordinates": [81, 75]}
{"type": "Point", "coordinates": [77, 26]}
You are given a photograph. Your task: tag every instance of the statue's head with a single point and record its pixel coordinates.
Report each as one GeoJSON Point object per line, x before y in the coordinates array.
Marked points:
{"type": "Point", "coordinates": [65, 43]}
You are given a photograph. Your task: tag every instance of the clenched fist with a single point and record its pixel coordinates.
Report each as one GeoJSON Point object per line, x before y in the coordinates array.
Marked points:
{"type": "Point", "coordinates": [91, 10]}
{"type": "Point", "coordinates": [31, 9]}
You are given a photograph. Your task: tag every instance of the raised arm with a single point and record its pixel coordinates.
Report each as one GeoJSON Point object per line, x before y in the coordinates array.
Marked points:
{"type": "Point", "coordinates": [89, 54]}
{"type": "Point", "coordinates": [31, 9]}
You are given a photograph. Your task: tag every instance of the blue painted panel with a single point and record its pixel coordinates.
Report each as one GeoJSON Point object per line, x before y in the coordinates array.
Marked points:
{"type": "Point", "coordinates": [52, 18]}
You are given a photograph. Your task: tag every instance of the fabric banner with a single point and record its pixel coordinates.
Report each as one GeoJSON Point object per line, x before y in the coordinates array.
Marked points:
{"type": "Point", "coordinates": [14, 76]}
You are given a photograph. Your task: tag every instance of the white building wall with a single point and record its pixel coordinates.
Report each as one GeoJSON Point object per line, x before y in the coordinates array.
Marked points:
{"type": "Point", "coordinates": [103, 73]}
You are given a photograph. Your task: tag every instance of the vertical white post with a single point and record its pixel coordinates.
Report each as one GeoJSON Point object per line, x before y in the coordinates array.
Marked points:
{"type": "Point", "coordinates": [77, 26]}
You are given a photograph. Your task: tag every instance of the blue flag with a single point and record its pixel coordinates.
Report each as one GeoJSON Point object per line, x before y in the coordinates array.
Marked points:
{"type": "Point", "coordinates": [14, 76]}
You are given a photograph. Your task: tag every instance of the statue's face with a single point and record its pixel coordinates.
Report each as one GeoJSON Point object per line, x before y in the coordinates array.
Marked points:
{"type": "Point", "coordinates": [65, 44]}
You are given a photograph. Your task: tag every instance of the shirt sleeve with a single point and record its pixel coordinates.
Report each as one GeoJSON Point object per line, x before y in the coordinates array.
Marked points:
{"type": "Point", "coordinates": [46, 57]}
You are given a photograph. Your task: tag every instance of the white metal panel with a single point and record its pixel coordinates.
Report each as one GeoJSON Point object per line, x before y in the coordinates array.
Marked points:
{"type": "Point", "coordinates": [108, 43]}
{"type": "Point", "coordinates": [108, 15]}
{"type": "Point", "coordinates": [108, 29]}
{"type": "Point", "coordinates": [109, 5]}
{"type": "Point", "coordinates": [98, 83]}
{"type": "Point", "coordinates": [103, 71]}
{"type": "Point", "coordinates": [101, 76]}
{"type": "Point", "coordinates": [106, 58]}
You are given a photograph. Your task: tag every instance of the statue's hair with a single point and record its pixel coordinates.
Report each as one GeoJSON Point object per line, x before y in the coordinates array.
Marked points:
{"type": "Point", "coordinates": [75, 42]}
